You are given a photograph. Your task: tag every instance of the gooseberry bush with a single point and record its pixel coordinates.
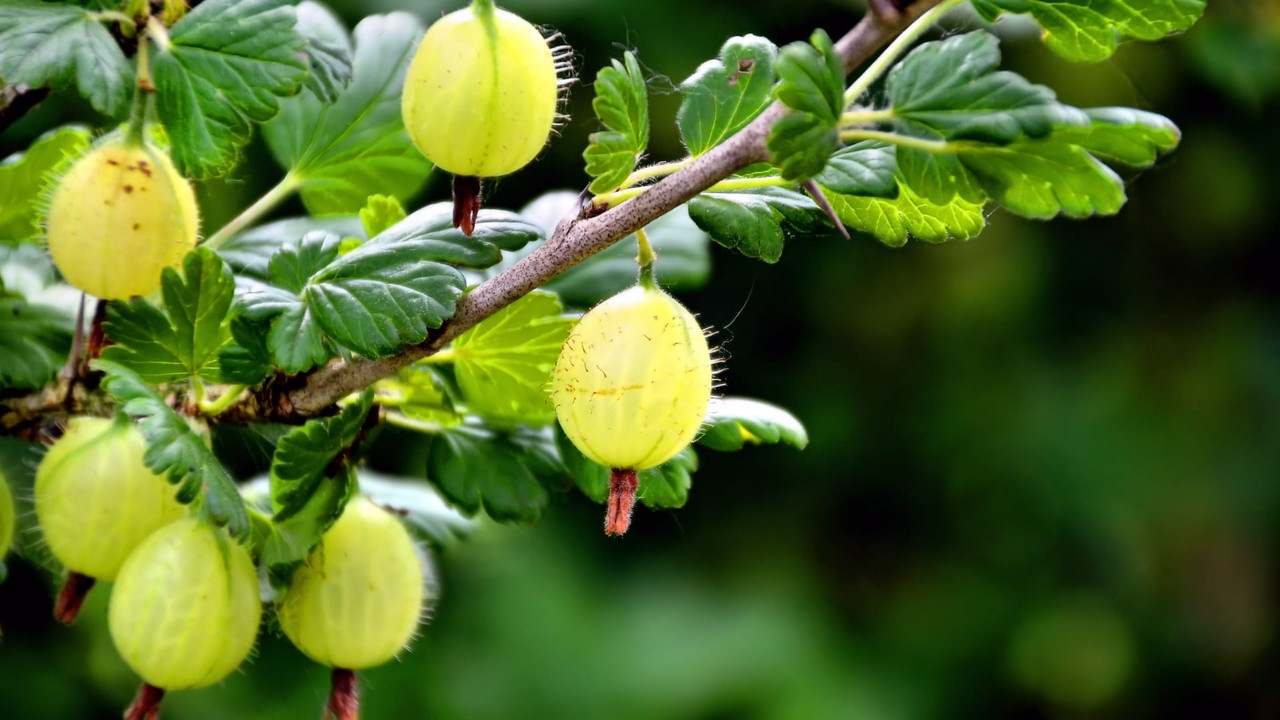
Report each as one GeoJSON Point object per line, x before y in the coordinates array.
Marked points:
{"type": "Point", "coordinates": [131, 337]}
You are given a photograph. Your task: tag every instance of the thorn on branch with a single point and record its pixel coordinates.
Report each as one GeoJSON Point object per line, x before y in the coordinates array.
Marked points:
{"type": "Point", "coordinates": [815, 192]}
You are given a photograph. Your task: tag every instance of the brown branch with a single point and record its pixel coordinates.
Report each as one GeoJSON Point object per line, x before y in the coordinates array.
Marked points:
{"type": "Point", "coordinates": [16, 101]}
{"type": "Point", "coordinates": [574, 240]}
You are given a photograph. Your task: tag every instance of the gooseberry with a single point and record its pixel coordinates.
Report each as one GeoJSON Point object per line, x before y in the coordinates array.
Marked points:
{"type": "Point", "coordinates": [96, 501]}
{"type": "Point", "coordinates": [7, 518]}
{"type": "Point", "coordinates": [184, 610]}
{"type": "Point", "coordinates": [631, 387]}
{"type": "Point", "coordinates": [480, 98]}
{"type": "Point", "coordinates": [120, 215]}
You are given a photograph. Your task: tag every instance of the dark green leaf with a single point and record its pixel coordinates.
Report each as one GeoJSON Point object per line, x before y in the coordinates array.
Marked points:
{"type": "Point", "coordinates": [864, 168]}
{"type": "Point", "coordinates": [343, 152]}
{"type": "Point", "coordinates": [1090, 30]}
{"type": "Point", "coordinates": [295, 340]}
{"type": "Point", "coordinates": [665, 486]}
{"type": "Point", "coordinates": [420, 505]}
{"type": "Point", "coordinates": [734, 422]}
{"type": "Point", "coordinates": [429, 234]}
{"type": "Point", "coordinates": [292, 538]}
{"type": "Point", "coordinates": [47, 44]}
{"type": "Point", "coordinates": [24, 177]}
{"type": "Point", "coordinates": [622, 105]}
{"type": "Point", "coordinates": [380, 213]}
{"type": "Point", "coordinates": [811, 84]}
{"type": "Point", "coordinates": [183, 341]}
{"type": "Point", "coordinates": [249, 252]}
{"type": "Point", "coordinates": [305, 456]}
{"type": "Point", "coordinates": [174, 449]}
{"type": "Point", "coordinates": [503, 365]}
{"type": "Point", "coordinates": [477, 467]}
{"type": "Point", "coordinates": [725, 94]}
{"type": "Point", "coordinates": [893, 220]}
{"type": "Point", "coordinates": [951, 90]}
{"type": "Point", "coordinates": [756, 222]}
{"type": "Point", "coordinates": [246, 359]}
{"type": "Point", "coordinates": [226, 66]}
{"type": "Point", "coordinates": [33, 343]}
{"type": "Point", "coordinates": [328, 49]}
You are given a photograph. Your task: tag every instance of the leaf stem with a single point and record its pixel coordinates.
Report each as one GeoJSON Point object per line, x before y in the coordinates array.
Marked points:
{"type": "Point", "coordinates": [136, 131]}
{"type": "Point", "coordinates": [895, 49]}
{"type": "Point", "coordinates": [265, 204]}
{"type": "Point", "coordinates": [650, 172]}
{"type": "Point", "coordinates": [915, 143]}
{"type": "Point", "coordinates": [225, 400]}
{"type": "Point", "coordinates": [411, 423]}
{"type": "Point", "coordinates": [857, 118]}
{"type": "Point", "coordinates": [617, 197]}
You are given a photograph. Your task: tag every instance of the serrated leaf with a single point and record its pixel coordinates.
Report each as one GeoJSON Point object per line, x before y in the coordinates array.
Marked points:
{"type": "Point", "coordinates": [380, 213]}
{"type": "Point", "coordinates": [478, 467]}
{"type": "Point", "coordinates": [55, 45]}
{"type": "Point", "coordinates": [503, 365]}
{"type": "Point", "coordinates": [417, 392]}
{"type": "Point", "coordinates": [343, 152]}
{"type": "Point", "coordinates": [328, 50]}
{"type": "Point", "coordinates": [951, 90]}
{"type": "Point", "coordinates": [430, 235]}
{"type": "Point", "coordinates": [1091, 30]}
{"type": "Point", "coordinates": [1044, 179]}
{"type": "Point", "coordinates": [938, 177]}
{"type": "Point", "coordinates": [664, 486]}
{"type": "Point", "coordinates": [295, 340]}
{"type": "Point", "coordinates": [421, 507]}
{"type": "Point", "coordinates": [226, 66]}
{"type": "Point", "coordinates": [249, 253]}
{"type": "Point", "coordinates": [734, 422]}
{"type": "Point", "coordinates": [726, 93]}
{"type": "Point", "coordinates": [811, 84]}
{"type": "Point", "coordinates": [246, 359]}
{"type": "Point", "coordinates": [174, 449]}
{"type": "Point", "coordinates": [622, 105]}
{"type": "Point", "coordinates": [34, 340]}
{"type": "Point", "coordinates": [292, 538]}
{"type": "Point", "coordinates": [1123, 135]}
{"type": "Point", "coordinates": [864, 168]}
{"type": "Point", "coordinates": [893, 220]}
{"type": "Point", "coordinates": [756, 222]}
{"type": "Point", "coordinates": [305, 456]}
{"type": "Point", "coordinates": [184, 340]}
{"type": "Point", "coordinates": [24, 177]}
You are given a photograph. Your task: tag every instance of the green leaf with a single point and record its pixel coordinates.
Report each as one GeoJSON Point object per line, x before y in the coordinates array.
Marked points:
{"type": "Point", "coordinates": [664, 486]}
{"type": "Point", "coordinates": [34, 344]}
{"type": "Point", "coordinates": [476, 466]}
{"type": "Point", "coordinates": [417, 392]}
{"type": "Point", "coordinates": [292, 538]}
{"type": "Point", "coordinates": [419, 504]}
{"type": "Point", "coordinates": [249, 253]}
{"type": "Point", "coordinates": [726, 93]}
{"type": "Point", "coordinates": [811, 84]}
{"type": "Point", "coordinates": [503, 365]}
{"type": "Point", "coordinates": [380, 212]}
{"type": "Point", "coordinates": [429, 234]}
{"type": "Point", "coordinates": [1124, 135]}
{"type": "Point", "coordinates": [1090, 30]}
{"type": "Point", "coordinates": [246, 359]}
{"type": "Point", "coordinates": [174, 449]}
{"type": "Point", "coordinates": [893, 220]}
{"type": "Point", "coordinates": [24, 177]}
{"type": "Point", "coordinates": [55, 45]}
{"type": "Point", "coordinates": [1043, 179]}
{"type": "Point", "coordinates": [951, 90]}
{"type": "Point", "coordinates": [295, 340]}
{"type": "Point", "coordinates": [226, 66]}
{"type": "Point", "coordinates": [734, 422]}
{"type": "Point", "coordinates": [305, 456]}
{"type": "Point", "coordinates": [183, 341]}
{"type": "Point", "coordinates": [343, 152]}
{"type": "Point", "coordinates": [328, 50]}
{"type": "Point", "coordinates": [756, 222]}
{"type": "Point", "coordinates": [864, 168]}
{"type": "Point", "coordinates": [622, 105]}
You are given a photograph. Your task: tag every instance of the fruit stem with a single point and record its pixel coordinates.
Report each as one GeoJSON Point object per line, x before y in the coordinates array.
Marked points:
{"type": "Point", "coordinates": [623, 484]}
{"type": "Point", "coordinates": [265, 204]}
{"type": "Point", "coordinates": [482, 7]}
{"type": "Point", "coordinates": [645, 260]}
{"type": "Point", "coordinates": [344, 696]}
{"type": "Point", "coordinates": [72, 596]}
{"type": "Point", "coordinates": [466, 202]}
{"type": "Point", "coordinates": [146, 704]}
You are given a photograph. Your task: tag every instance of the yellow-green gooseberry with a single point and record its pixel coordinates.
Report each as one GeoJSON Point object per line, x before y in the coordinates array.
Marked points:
{"type": "Point", "coordinates": [631, 387]}
{"type": "Point", "coordinates": [8, 519]}
{"type": "Point", "coordinates": [184, 610]}
{"type": "Point", "coordinates": [119, 216]}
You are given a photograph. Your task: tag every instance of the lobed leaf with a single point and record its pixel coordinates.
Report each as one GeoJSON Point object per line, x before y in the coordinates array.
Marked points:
{"type": "Point", "coordinates": [249, 253]}
{"type": "Point", "coordinates": [622, 105]}
{"type": "Point", "coordinates": [342, 152]}
{"type": "Point", "coordinates": [56, 45]}
{"type": "Point", "coordinates": [328, 50]}
{"type": "Point", "coordinates": [430, 234]}
{"type": "Point", "coordinates": [1091, 30]}
{"type": "Point", "coordinates": [756, 222]}
{"type": "Point", "coordinates": [380, 213]}
{"type": "Point", "coordinates": [478, 467]}
{"type": "Point", "coordinates": [811, 84]}
{"type": "Point", "coordinates": [225, 67]}
{"type": "Point", "coordinates": [726, 93]}
{"type": "Point", "coordinates": [305, 456]}
{"type": "Point", "coordinates": [893, 220]}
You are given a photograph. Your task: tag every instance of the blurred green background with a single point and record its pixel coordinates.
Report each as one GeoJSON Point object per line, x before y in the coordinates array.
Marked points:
{"type": "Point", "coordinates": [1044, 477]}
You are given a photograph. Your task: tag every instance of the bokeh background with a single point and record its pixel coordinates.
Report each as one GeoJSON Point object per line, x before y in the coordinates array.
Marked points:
{"type": "Point", "coordinates": [1044, 477]}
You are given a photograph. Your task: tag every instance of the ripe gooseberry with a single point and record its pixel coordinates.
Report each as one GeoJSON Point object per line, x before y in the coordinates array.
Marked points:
{"type": "Point", "coordinates": [184, 610]}
{"type": "Point", "coordinates": [120, 215]}
{"type": "Point", "coordinates": [96, 501]}
{"type": "Point", "coordinates": [480, 98]}
{"type": "Point", "coordinates": [357, 599]}
{"type": "Point", "coordinates": [631, 387]}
